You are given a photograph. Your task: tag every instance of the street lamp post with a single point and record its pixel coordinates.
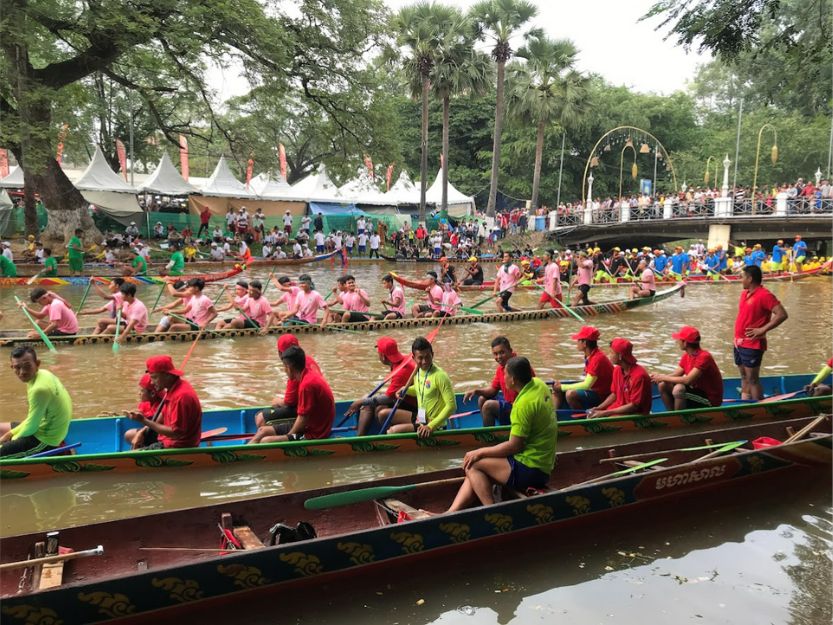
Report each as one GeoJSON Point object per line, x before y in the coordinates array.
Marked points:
{"type": "Point", "coordinates": [757, 158]}
{"type": "Point", "coordinates": [818, 176]}
{"type": "Point", "coordinates": [590, 191]}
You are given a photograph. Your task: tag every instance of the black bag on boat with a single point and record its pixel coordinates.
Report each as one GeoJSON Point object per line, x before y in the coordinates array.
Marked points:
{"type": "Point", "coordinates": [281, 534]}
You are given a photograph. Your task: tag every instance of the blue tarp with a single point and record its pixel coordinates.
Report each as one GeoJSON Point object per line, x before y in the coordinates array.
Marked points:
{"type": "Point", "coordinates": [331, 210]}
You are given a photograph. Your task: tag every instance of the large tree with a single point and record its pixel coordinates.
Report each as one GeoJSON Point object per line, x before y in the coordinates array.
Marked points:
{"type": "Point", "coordinates": [155, 48]}
{"type": "Point", "coordinates": [499, 21]}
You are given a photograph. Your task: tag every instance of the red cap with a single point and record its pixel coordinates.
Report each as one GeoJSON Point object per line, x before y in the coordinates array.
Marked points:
{"type": "Point", "coordinates": [162, 364]}
{"type": "Point", "coordinates": [146, 383]}
{"type": "Point", "coordinates": [285, 341]}
{"type": "Point", "coordinates": [689, 334]}
{"type": "Point", "coordinates": [624, 348]}
{"type": "Point", "coordinates": [587, 333]}
{"type": "Point", "coordinates": [388, 348]}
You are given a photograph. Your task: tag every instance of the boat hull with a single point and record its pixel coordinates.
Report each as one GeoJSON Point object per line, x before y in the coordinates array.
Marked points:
{"type": "Point", "coordinates": [63, 281]}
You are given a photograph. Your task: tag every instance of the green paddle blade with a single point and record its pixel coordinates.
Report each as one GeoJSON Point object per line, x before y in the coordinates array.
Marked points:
{"type": "Point", "coordinates": [471, 311]}
{"type": "Point", "coordinates": [638, 467]}
{"type": "Point", "coordinates": [38, 329]}
{"type": "Point", "coordinates": [116, 345]}
{"type": "Point", "coordinates": [354, 496]}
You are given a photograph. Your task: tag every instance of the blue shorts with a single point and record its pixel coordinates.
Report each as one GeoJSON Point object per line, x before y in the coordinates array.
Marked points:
{"type": "Point", "coordinates": [522, 477]}
{"type": "Point", "coordinates": [589, 399]}
{"type": "Point", "coordinates": [748, 357]}
{"type": "Point", "coordinates": [319, 249]}
{"type": "Point", "coordinates": [361, 249]}
{"type": "Point", "coordinates": [503, 411]}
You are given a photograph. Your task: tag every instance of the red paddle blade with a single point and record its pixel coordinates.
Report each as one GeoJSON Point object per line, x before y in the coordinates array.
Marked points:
{"type": "Point", "coordinates": [212, 433]}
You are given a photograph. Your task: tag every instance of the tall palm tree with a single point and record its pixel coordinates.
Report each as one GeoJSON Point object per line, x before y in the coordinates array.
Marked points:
{"type": "Point", "coordinates": [459, 70]}
{"type": "Point", "coordinates": [420, 28]}
{"type": "Point", "coordinates": [500, 20]}
{"type": "Point", "coordinates": [545, 89]}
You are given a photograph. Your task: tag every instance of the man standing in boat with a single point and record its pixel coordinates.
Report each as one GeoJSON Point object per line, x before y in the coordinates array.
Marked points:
{"type": "Point", "coordinates": [50, 409]}
{"type": "Point", "coordinates": [316, 407]}
{"type": "Point", "coordinates": [178, 421]}
{"type": "Point", "coordinates": [630, 392]}
{"type": "Point", "coordinates": [697, 381]}
{"type": "Point", "coordinates": [506, 280]}
{"type": "Point", "coordinates": [493, 409]}
{"type": "Point", "coordinates": [759, 311]}
{"type": "Point", "coordinates": [598, 375]}
{"type": "Point", "coordinates": [552, 294]}
{"type": "Point", "coordinates": [583, 279]}
{"type": "Point", "coordinates": [528, 457]}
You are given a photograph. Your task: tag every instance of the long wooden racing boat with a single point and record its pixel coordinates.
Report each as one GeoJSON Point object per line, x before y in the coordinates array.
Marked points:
{"type": "Point", "coordinates": [44, 281]}
{"type": "Point", "coordinates": [166, 563]}
{"type": "Point", "coordinates": [103, 448]}
{"type": "Point", "coordinates": [13, 338]}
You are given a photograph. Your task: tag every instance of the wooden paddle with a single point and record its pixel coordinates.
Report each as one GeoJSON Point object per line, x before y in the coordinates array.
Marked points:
{"type": "Point", "coordinates": [346, 498]}
{"type": "Point", "coordinates": [670, 451]}
{"type": "Point", "coordinates": [806, 429]}
{"type": "Point", "coordinates": [191, 349]}
{"type": "Point", "coordinates": [116, 344]}
{"type": "Point", "coordinates": [158, 297]}
{"type": "Point", "coordinates": [62, 557]}
{"type": "Point", "coordinates": [55, 452]}
{"type": "Point", "coordinates": [31, 280]}
{"type": "Point", "coordinates": [722, 449]}
{"type": "Point", "coordinates": [35, 325]}
{"type": "Point", "coordinates": [220, 294]}
{"type": "Point", "coordinates": [639, 467]}
{"type": "Point", "coordinates": [86, 292]}
{"type": "Point", "coordinates": [215, 433]}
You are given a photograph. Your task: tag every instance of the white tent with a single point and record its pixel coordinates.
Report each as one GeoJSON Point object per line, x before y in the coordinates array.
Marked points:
{"type": "Point", "coordinates": [103, 187]}
{"type": "Point", "coordinates": [268, 189]}
{"type": "Point", "coordinates": [165, 180]}
{"type": "Point", "coordinates": [222, 183]}
{"type": "Point", "coordinates": [363, 190]}
{"type": "Point", "coordinates": [403, 191]}
{"type": "Point", "coordinates": [458, 204]}
{"type": "Point", "coordinates": [317, 187]}
{"type": "Point", "coordinates": [14, 180]}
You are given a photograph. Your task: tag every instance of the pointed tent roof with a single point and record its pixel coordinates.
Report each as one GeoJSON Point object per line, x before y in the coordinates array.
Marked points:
{"type": "Point", "coordinates": [317, 187]}
{"type": "Point", "coordinates": [99, 177]}
{"type": "Point", "coordinates": [14, 180]}
{"type": "Point", "coordinates": [268, 189]}
{"type": "Point", "coordinates": [434, 195]}
{"type": "Point", "coordinates": [403, 191]}
{"type": "Point", "coordinates": [363, 190]}
{"type": "Point", "coordinates": [166, 180]}
{"type": "Point", "coordinates": [222, 183]}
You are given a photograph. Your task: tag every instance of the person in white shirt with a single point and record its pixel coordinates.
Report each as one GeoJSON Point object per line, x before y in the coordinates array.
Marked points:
{"type": "Point", "coordinates": [217, 234]}
{"type": "Point", "coordinates": [375, 242]}
{"type": "Point", "coordinates": [231, 220]}
{"type": "Point", "coordinates": [306, 251]}
{"type": "Point", "coordinates": [362, 243]}
{"type": "Point", "coordinates": [337, 240]}
{"type": "Point", "coordinates": [319, 241]}
{"type": "Point", "coordinates": [360, 226]}
{"type": "Point", "coordinates": [109, 256]}
{"type": "Point", "coordinates": [305, 222]}
{"type": "Point", "coordinates": [216, 252]}
{"type": "Point", "coordinates": [350, 243]}
{"type": "Point", "coordinates": [7, 251]}
{"type": "Point", "coordinates": [39, 253]}
{"type": "Point", "coordinates": [227, 247]}
{"type": "Point", "coordinates": [266, 252]}
{"type": "Point", "coordinates": [279, 253]}
{"type": "Point", "coordinates": [296, 249]}
{"type": "Point", "coordinates": [287, 223]}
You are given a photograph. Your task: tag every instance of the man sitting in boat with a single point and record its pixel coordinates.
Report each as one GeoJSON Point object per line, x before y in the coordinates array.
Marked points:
{"type": "Point", "coordinates": [647, 285]}
{"type": "Point", "coordinates": [433, 391]}
{"type": "Point", "coordinates": [528, 457]}
{"type": "Point", "coordinates": [697, 381]}
{"type": "Point", "coordinates": [199, 310]}
{"type": "Point", "coordinates": [236, 302]}
{"type": "Point", "coordinates": [434, 294]}
{"type": "Point", "coordinates": [816, 388]}
{"type": "Point", "coordinates": [401, 368]}
{"type": "Point", "coordinates": [449, 303]}
{"type": "Point", "coordinates": [57, 318]}
{"type": "Point", "coordinates": [316, 406]}
{"type": "Point", "coordinates": [255, 311]}
{"type": "Point", "coordinates": [356, 302]}
{"type": "Point", "coordinates": [598, 375]}
{"type": "Point", "coordinates": [395, 304]}
{"type": "Point", "coordinates": [177, 422]}
{"type": "Point", "coordinates": [494, 409]}
{"type": "Point", "coordinates": [630, 392]}
{"type": "Point", "coordinates": [474, 272]}
{"type": "Point", "coordinates": [50, 409]}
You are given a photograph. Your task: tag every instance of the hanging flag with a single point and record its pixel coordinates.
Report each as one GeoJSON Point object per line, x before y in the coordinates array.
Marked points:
{"type": "Point", "coordinates": [282, 160]}
{"type": "Point", "coordinates": [389, 176]}
{"type": "Point", "coordinates": [122, 154]}
{"type": "Point", "coordinates": [4, 163]}
{"type": "Point", "coordinates": [369, 164]}
{"type": "Point", "coordinates": [249, 167]}
{"type": "Point", "coordinates": [62, 135]}
{"type": "Point", "coordinates": [442, 164]}
{"type": "Point", "coordinates": [183, 157]}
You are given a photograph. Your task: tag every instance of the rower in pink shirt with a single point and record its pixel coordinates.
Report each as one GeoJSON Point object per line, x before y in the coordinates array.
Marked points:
{"type": "Point", "coordinates": [450, 301]}
{"type": "Point", "coordinates": [583, 279]}
{"type": "Point", "coordinates": [55, 316]}
{"type": "Point", "coordinates": [355, 302]}
{"type": "Point", "coordinates": [552, 283]}
{"type": "Point", "coordinates": [309, 302]}
{"type": "Point", "coordinates": [134, 313]}
{"type": "Point", "coordinates": [199, 311]}
{"type": "Point", "coordinates": [647, 286]}
{"type": "Point", "coordinates": [257, 308]}
{"type": "Point", "coordinates": [395, 304]}
{"type": "Point", "coordinates": [434, 295]}
{"type": "Point", "coordinates": [506, 280]}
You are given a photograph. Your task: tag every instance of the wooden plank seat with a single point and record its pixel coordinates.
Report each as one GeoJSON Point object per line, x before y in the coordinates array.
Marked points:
{"type": "Point", "coordinates": [395, 507]}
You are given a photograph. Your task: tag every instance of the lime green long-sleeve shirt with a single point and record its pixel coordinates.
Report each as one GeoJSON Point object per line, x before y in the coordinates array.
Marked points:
{"type": "Point", "coordinates": [435, 394]}
{"type": "Point", "coordinates": [50, 410]}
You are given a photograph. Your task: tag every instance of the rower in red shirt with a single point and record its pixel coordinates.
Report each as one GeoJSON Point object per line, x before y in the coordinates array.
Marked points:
{"type": "Point", "coordinates": [630, 392]}
{"type": "Point", "coordinates": [316, 406]}
{"type": "Point", "coordinates": [285, 409]}
{"type": "Point", "coordinates": [401, 367]}
{"type": "Point", "coordinates": [759, 311]}
{"type": "Point", "coordinates": [179, 420]}
{"type": "Point", "coordinates": [697, 381]}
{"type": "Point", "coordinates": [494, 409]}
{"type": "Point", "coordinates": [598, 375]}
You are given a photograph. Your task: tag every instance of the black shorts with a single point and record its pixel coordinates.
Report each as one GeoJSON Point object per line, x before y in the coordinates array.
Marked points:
{"type": "Point", "coordinates": [22, 447]}
{"type": "Point", "coordinates": [522, 477]}
{"type": "Point", "coordinates": [151, 441]}
{"type": "Point", "coordinates": [356, 317]}
{"type": "Point", "coordinates": [59, 333]}
{"type": "Point", "coordinates": [748, 357]}
{"type": "Point", "coordinates": [584, 289]}
{"type": "Point", "coordinates": [443, 313]}
{"type": "Point", "coordinates": [696, 398]}
{"type": "Point", "coordinates": [505, 296]}
{"type": "Point", "coordinates": [282, 429]}
{"type": "Point", "coordinates": [424, 308]}
{"type": "Point", "coordinates": [396, 314]}
{"type": "Point", "coordinates": [248, 323]}
{"type": "Point", "coordinates": [471, 281]}
{"type": "Point", "coordinates": [278, 416]}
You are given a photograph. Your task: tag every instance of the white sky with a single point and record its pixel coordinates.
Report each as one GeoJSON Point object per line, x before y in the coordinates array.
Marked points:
{"type": "Point", "coordinates": [611, 40]}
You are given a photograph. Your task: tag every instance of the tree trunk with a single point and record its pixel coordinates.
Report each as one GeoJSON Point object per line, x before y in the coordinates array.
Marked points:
{"type": "Point", "coordinates": [490, 207]}
{"type": "Point", "coordinates": [539, 156]}
{"type": "Point", "coordinates": [30, 210]}
{"type": "Point", "coordinates": [423, 163]}
{"type": "Point", "coordinates": [446, 115]}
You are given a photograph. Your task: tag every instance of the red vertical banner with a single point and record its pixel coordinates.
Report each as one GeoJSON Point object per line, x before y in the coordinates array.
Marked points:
{"type": "Point", "coordinates": [282, 160]}
{"type": "Point", "coordinates": [122, 154]}
{"type": "Point", "coordinates": [4, 163]}
{"type": "Point", "coordinates": [389, 176]}
{"type": "Point", "coordinates": [62, 135]}
{"type": "Point", "coordinates": [250, 165]}
{"type": "Point", "coordinates": [183, 157]}
{"type": "Point", "coordinates": [442, 161]}
{"type": "Point", "coordinates": [369, 164]}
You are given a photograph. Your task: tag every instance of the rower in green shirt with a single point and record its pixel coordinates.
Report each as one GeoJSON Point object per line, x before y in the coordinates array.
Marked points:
{"type": "Point", "coordinates": [75, 252]}
{"type": "Point", "coordinates": [176, 266]}
{"type": "Point", "coordinates": [50, 264]}
{"type": "Point", "coordinates": [528, 457]}
{"type": "Point", "coordinates": [7, 267]}
{"type": "Point", "coordinates": [140, 265]}
{"type": "Point", "coordinates": [50, 409]}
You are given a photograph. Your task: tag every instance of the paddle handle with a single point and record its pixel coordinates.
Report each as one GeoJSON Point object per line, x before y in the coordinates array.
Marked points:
{"type": "Point", "coordinates": [807, 428]}
{"type": "Point", "coordinates": [62, 557]}
{"type": "Point", "coordinates": [398, 401]}
{"type": "Point", "coordinates": [346, 498]}
{"type": "Point", "coordinates": [55, 452]}
{"type": "Point", "coordinates": [35, 325]}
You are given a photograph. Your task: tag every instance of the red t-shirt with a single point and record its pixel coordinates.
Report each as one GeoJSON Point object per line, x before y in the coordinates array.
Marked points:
{"type": "Point", "coordinates": [499, 382]}
{"type": "Point", "coordinates": [400, 377]}
{"type": "Point", "coordinates": [316, 403]}
{"type": "Point", "coordinates": [148, 409]}
{"type": "Point", "coordinates": [599, 366]}
{"type": "Point", "coordinates": [205, 217]}
{"type": "Point", "coordinates": [710, 380]}
{"type": "Point", "coordinates": [754, 311]}
{"type": "Point", "coordinates": [290, 395]}
{"type": "Point", "coordinates": [183, 413]}
{"type": "Point", "coordinates": [635, 388]}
